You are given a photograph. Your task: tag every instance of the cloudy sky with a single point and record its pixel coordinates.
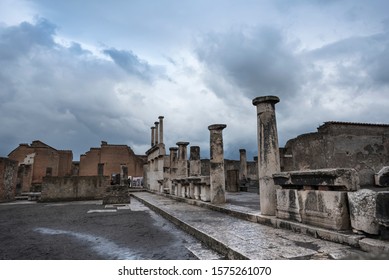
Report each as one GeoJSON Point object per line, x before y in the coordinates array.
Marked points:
{"type": "Point", "coordinates": [74, 73]}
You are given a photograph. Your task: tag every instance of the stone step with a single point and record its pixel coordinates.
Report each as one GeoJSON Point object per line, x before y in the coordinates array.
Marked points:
{"type": "Point", "coordinates": [236, 238]}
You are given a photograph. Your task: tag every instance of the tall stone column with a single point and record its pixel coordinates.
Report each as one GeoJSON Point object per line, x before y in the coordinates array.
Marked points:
{"type": "Point", "coordinates": [152, 136]}
{"type": "Point", "coordinates": [194, 161]}
{"type": "Point", "coordinates": [217, 177]}
{"type": "Point", "coordinates": [156, 133]}
{"type": "Point", "coordinates": [243, 164]}
{"type": "Point", "coordinates": [268, 152]}
{"type": "Point", "coordinates": [182, 165]}
{"type": "Point", "coordinates": [160, 129]}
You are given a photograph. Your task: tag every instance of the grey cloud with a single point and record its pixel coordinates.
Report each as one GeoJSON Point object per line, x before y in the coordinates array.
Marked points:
{"type": "Point", "coordinates": [257, 61]}
{"type": "Point", "coordinates": [18, 40]}
{"type": "Point", "coordinates": [64, 96]}
{"type": "Point", "coordinates": [133, 65]}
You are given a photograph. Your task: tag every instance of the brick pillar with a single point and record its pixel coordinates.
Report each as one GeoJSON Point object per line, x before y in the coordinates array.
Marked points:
{"type": "Point", "coordinates": [243, 164]}
{"type": "Point", "coordinates": [194, 161]}
{"type": "Point", "coordinates": [217, 176]}
{"type": "Point", "coordinates": [160, 129]}
{"type": "Point", "coordinates": [268, 152]}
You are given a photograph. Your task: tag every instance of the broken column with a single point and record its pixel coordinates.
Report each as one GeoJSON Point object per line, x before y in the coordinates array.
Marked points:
{"type": "Point", "coordinates": [268, 152]}
{"type": "Point", "coordinates": [194, 161]}
{"type": "Point", "coordinates": [182, 164]}
{"type": "Point", "coordinates": [160, 129]}
{"type": "Point", "coordinates": [217, 176]}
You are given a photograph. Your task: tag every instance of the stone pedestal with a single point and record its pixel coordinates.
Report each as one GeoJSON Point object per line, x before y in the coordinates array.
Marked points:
{"type": "Point", "coordinates": [316, 197]}
{"type": "Point", "coordinates": [116, 195]}
{"type": "Point", "coordinates": [268, 152]}
{"type": "Point", "coordinates": [362, 205]}
{"type": "Point", "coordinates": [182, 163]}
{"type": "Point", "coordinates": [217, 176]}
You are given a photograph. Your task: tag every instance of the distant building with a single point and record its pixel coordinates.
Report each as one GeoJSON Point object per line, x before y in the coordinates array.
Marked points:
{"type": "Point", "coordinates": [110, 159]}
{"type": "Point", "coordinates": [38, 160]}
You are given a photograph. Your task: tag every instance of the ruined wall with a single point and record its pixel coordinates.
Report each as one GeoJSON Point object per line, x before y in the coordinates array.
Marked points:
{"type": "Point", "coordinates": [46, 163]}
{"type": "Point", "coordinates": [89, 162]}
{"type": "Point", "coordinates": [110, 158]}
{"type": "Point", "coordinates": [8, 175]}
{"type": "Point", "coordinates": [73, 188]}
{"type": "Point", "coordinates": [364, 147]}
{"type": "Point", "coordinates": [65, 163]}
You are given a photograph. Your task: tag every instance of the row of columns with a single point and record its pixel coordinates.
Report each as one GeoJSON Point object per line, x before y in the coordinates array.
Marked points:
{"type": "Point", "coordinates": [268, 155]}
{"type": "Point", "coordinates": [157, 132]}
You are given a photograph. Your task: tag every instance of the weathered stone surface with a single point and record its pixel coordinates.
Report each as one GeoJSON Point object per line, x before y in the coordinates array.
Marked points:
{"type": "Point", "coordinates": [382, 177]}
{"type": "Point", "coordinates": [116, 195]}
{"type": "Point", "coordinates": [335, 179]}
{"type": "Point", "coordinates": [73, 188]}
{"type": "Point", "coordinates": [217, 175]}
{"type": "Point", "coordinates": [288, 205]}
{"type": "Point", "coordinates": [362, 205]}
{"type": "Point", "coordinates": [382, 209]}
{"type": "Point", "coordinates": [8, 175]}
{"type": "Point", "coordinates": [232, 180]}
{"type": "Point", "coordinates": [268, 151]}
{"type": "Point", "coordinates": [327, 209]}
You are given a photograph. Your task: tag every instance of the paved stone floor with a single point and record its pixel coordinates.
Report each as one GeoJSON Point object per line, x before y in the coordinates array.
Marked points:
{"type": "Point", "coordinates": [237, 238]}
{"type": "Point", "coordinates": [88, 230]}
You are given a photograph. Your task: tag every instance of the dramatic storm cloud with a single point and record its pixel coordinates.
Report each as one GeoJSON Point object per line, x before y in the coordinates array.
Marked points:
{"type": "Point", "coordinates": [74, 73]}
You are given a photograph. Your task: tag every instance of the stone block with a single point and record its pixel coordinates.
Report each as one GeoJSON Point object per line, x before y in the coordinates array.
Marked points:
{"type": "Point", "coordinates": [327, 209]}
{"type": "Point", "coordinates": [362, 206]}
{"type": "Point", "coordinates": [382, 208]}
{"type": "Point", "coordinates": [116, 195]}
{"type": "Point", "coordinates": [342, 179]}
{"type": "Point", "coordinates": [382, 177]}
{"type": "Point", "coordinates": [288, 205]}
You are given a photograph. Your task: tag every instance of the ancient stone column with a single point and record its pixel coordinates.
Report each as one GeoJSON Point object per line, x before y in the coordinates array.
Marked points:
{"type": "Point", "coordinates": [217, 177]}
{"type": "Point", "coordinates": [243, 165]}
{"type": "Point", "coordinates": [156, 133]}
{"type": "Point", "coordinates": [194, 161]}
{"type": "Point", "coordinates": [268, 152]}
{"type": "Point", "coordinates": [160, 129]}
{"type": "Point", "coordinates": [182, 165]}
{"type": "Point", "coordinates": [152, 136]}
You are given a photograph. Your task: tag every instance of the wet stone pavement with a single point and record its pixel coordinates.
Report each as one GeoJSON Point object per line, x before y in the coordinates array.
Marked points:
{"type": "Point", "coordinates": [92, 231]}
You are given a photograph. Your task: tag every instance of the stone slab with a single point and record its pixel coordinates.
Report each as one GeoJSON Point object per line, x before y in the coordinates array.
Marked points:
{"type": "Point", "coordinates": [334, 178]}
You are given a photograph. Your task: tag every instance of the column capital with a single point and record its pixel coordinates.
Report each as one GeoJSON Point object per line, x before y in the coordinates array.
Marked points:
{"type": "Point", "coordinates": [182, 143]}
{"type": "Point", "coordinates": [217, 126]}
{"type": "Point", "coordinates": [173, 149]}
{"type": "Point", "coordinates": [160, 117]}
{"type": "Point", "coordinates": [266, 99]}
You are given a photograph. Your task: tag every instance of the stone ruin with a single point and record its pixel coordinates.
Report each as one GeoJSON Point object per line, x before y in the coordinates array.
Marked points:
{"type": "Point", "coordinates": [329, 198]}
{"type": "Point", "coordinates": [175, 175]}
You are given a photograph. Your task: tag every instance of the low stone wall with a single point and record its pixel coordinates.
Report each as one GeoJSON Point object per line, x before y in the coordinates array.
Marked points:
{"type": "Point", "coordinates": [8, 175]}
{"type": "Point", "coordinates": [74, 188]}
